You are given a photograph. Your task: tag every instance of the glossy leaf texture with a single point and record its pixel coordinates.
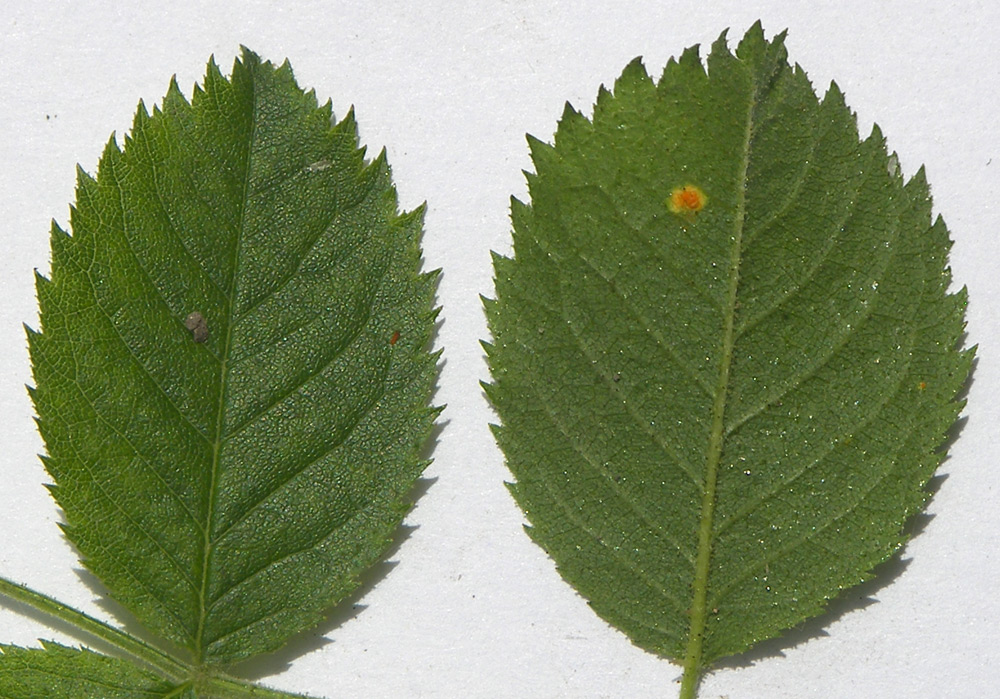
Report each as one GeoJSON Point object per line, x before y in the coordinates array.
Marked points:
{"type": "Point", "coordinates": [724, 355]}
{"type": "Point", "coordinates": [232, 377]}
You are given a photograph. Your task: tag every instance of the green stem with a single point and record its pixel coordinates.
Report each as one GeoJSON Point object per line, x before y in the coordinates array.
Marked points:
{"type": "Point", "coordinates": [171, 668]}
{"type": "Point", "coordinates": [215, 685]}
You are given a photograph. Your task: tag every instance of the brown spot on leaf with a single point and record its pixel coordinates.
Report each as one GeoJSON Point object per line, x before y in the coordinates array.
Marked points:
{"type": "Point", "coordinates": [195, 322]}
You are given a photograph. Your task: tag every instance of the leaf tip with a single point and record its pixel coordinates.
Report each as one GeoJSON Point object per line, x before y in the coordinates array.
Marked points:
{"type": "Point", "coordinates": [572, 119]}
{"type": "Point", "coordinates": [689, 64]}
{"type": "Point", "coordinates": [635, 74]}
{"type": "Point", "coordinates": [835, 94]}
{"type": "Point", "coordinates": [248, 57]}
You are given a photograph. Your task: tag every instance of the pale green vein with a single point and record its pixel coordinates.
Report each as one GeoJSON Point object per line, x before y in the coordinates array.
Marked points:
{"type": "Point", "coordinates": [334, 445]}
{"type": "Point", "coordinates": [808, 535]}
{"type": "Point", "coordinates": [99, 417]}
{"type": "Point", "coordinates": [643, 516]}
{"type": "Point", "coordinates": [699, 608]}
{"type": "Point", "coordinates": [793, 190]}
{"type": "Point", "coordinates": [217, 443]}
{"type": "Point", "coordinates": [301, 381]}
{"type": "Point", "coordinates": [873, 414]}
{"type": "Point", "coordinates": [643, 423]}
{"type": "Point", "coordinates": [166, 664]}
{"type": "Point", "coordinates": [175, 233]}
{"type": "Point", "coordinates": [128, 348]}
{"type": "Point", "coordinates": [644, 322]}
{"type": "Point", "coordinates": [792, 290]}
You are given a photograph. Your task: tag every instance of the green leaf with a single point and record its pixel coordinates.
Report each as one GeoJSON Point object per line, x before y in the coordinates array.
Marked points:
{"type": "Point", "coordinates": [58, 671]}
{"type": "Point", "coordinates": [723, 353]}
{"type": "Point", "coordinates": [232, 379]}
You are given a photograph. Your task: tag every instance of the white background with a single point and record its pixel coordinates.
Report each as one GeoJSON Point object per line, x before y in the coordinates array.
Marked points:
{"type": "Point", "coordinates": [472, 608]}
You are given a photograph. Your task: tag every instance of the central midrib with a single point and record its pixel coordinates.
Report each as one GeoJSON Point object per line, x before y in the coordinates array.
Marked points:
{"type": "Point", "coordinates": [207, 545]}
{"type": "Point", "coordinates": [699, 587]}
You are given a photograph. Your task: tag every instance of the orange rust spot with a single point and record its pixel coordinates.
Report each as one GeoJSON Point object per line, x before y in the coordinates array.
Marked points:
{"type": "Point", "coordinates": [922, 385]}
{"type": "Point", "coordinates": [395, 338]}
{"type": "Point", "coordinates": [688, 199]}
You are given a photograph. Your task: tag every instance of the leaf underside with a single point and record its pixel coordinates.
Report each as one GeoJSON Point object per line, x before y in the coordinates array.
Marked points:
{"type": "Point", "coordinates": [232, 379]}
{"type": "Point", "coordinates": [81, 674]}
{"type": "Point", "coordinates": [720, 417]}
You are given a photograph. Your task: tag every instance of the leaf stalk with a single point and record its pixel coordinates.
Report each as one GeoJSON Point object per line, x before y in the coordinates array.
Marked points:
{"type": "Point", "coordinates": [171, 668]}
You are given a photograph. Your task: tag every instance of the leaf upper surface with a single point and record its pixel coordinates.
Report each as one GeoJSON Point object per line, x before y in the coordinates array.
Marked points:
{"type": "Point", "coordinates": [231, 374]}
{"type": "Point", "coordinates": [719, 417]}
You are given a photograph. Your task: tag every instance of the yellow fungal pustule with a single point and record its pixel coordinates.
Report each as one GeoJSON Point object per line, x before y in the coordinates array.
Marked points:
{"type": "Point", "coordinates": [688, 199]}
